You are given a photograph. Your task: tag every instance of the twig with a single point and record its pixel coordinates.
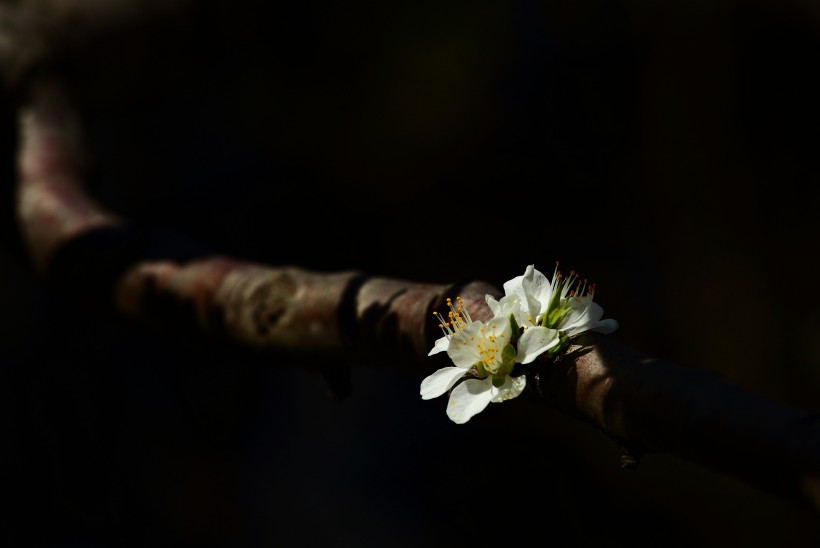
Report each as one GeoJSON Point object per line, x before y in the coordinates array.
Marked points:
{"type": "Point", "coordinates": [644, 404]}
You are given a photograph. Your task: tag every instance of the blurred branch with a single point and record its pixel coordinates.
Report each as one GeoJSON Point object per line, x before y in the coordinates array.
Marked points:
{"type": "Point", "coordinates": [34, 32]}
{"type": "Point", "coordinates": [644, 404]}
{"type": "Point", "coordinates": [79, 246]}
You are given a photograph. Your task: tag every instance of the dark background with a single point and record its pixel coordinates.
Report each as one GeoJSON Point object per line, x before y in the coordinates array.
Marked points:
{"type": "Point", "coordinates": [666, 151]}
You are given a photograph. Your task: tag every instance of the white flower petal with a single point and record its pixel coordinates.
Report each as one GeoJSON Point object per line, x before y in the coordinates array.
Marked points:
{"type": "Point", "coordinates": [463, 348]}
{"type": "Point", "coordinates": [492, 303]}
{"type": "Point", "coordinates": [533, 291]}
{"type": "Point", "coordinates": [479, 342]}
{"type": "Point", "coordinates": [469, 398]}
{"type": "Point", "coordinates": [516, 285]}
{"type": "Point", "coordinates": [603, 326]}
{"type": "Point", "coordinates": [540, 289]}
{"type": "Point", "coordinates": [440, 345]}
{"type": "Point", "coordinates": [586, 316]}
{"type": "Point", "coordinates": [593, 310]}
{"type": "Point", "coordinates": [519, 286]}
{"type": "Point", "coordinates": [606, 326]}
{"type": "Point", "coordinates": [511, 304]}
{"type": "Point", "coordinates": [578, 310]}
{"type": "Point", "coordinates": [534, 342]}
{"type": "Point", "coordinates": [440, 382]}
{"type": "Point", "coordinates": [512, 388]}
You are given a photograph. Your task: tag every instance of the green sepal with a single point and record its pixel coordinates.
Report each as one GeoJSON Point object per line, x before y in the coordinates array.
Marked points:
{"type": "Point", "coordinates": [498, 381]}
{"type": "Point", "coordinates": [563, 342]}
{"type": "Point", "coordinates": [553, 305]}
{"type": "Point", "coordinates": [557, 315]}
{"type": "Point", "coordinates": [516, 330]}
{"type": "Point", "coordinates": [481, 370]}
{"type": "Point", "coordinates": [508, 354]}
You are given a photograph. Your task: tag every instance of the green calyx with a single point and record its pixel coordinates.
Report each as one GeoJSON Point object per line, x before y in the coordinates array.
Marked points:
{"type": "Point", "coordinates": [554, 317]}
{"type": "Point", "coordinates": [508, 354]}
{"type": "Point", "coordinates": [556, 312]}
{"type": "Point", "coordinates": [562, 344]}
{"type": "Point", "coordinates": [516, 331]}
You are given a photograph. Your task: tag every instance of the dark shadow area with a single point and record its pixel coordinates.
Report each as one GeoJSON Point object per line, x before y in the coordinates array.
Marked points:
{"type": "Point", "coordinates": [665, 151]}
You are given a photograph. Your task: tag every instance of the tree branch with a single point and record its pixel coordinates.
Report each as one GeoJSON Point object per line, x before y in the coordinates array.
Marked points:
{"type": "Point", "coordinates": [644, 404]}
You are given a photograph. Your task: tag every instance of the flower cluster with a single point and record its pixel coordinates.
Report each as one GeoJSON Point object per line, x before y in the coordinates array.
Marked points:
{"type": "Point", "coordinates": [536, 316]}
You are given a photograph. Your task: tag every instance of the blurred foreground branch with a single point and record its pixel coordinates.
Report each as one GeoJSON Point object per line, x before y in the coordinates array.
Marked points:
{"type": "Point", "coordinates": [644, 404]}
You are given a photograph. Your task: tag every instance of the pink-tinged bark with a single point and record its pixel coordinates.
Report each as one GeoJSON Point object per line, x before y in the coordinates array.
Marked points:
{"type": "Point", "coordinates": [52, 206]}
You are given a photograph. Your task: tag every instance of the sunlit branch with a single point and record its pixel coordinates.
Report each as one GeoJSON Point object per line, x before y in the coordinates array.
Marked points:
{"type": "Point", "coordinates": [644, 404]}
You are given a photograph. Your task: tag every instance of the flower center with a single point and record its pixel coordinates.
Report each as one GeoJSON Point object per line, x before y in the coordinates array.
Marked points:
{"type": "Point", "coordinates": [489, 348]}
{"type": "Point", "coordinates": [563, 289]}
